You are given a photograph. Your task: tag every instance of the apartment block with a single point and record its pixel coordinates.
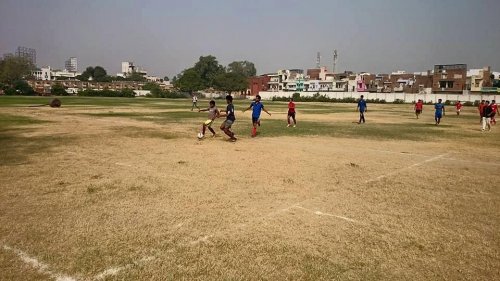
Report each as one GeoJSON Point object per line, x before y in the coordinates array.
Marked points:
{"type": "Point", "coordinates": [449, 78]}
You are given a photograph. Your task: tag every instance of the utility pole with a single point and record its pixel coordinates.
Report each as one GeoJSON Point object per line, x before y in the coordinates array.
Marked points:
{"type": "Point", "coordinates": [318, 60]}
{"type": "Point", "coordinates": [335, 56]}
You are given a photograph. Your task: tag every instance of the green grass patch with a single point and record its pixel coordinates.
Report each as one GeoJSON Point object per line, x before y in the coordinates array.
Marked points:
{"type": "Point", "coordinates": [376, 131]}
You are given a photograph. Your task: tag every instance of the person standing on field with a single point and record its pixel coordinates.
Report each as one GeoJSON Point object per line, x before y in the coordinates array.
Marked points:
{"type": "Point", "coordinates": [494, 107]}
{"type": "Point", "coordinates": [419, 106]}
{"type": "Point", "coordinates": [362, 108]}
{"type": "Point", "coordinates": [439, 107]}
{"type": "Point", "coordinates": [195, 100]}
{"type": "Point", "coordinates": [291, 113]}
{"type": "Point", "coordinates": [486, 120]}
{"type": "Point", "coordinates": [480, 108]}
{"type": "Point", "coordinates": [458, 107]}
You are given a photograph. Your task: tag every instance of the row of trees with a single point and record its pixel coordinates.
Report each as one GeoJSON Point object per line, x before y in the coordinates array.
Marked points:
{"type": "Point", "coordinates": [208, 73]}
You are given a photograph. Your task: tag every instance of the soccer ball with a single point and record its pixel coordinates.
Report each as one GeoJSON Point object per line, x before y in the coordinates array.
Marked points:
{"type": "Point", "coordinates": [200, 136]}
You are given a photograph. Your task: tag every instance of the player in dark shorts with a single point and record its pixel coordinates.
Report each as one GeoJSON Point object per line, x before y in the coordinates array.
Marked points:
{"type": "Point", "coordinates": [362, 108]}
{"type": "Point", "coordinates": [439, 107]}
{"type": "Point", "coordinates": [230, 118]}
{"type": "Point", "coordinates": [291, 113]}
{"type": "Point", "coordinates": [257, 107]}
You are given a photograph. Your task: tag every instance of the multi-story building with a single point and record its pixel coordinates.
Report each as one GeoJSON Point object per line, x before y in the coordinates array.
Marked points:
{"type": "Point", "coordinates": [258, 83]}
{"type": "Point", "coordinates": [449, 78]}
{"type": "Point", "coordinates": [71, 64]}
{"type": "Point", "coordinates": [28, 53]}
{"type": "Point", "coordinates": [479, 79]}
{"type": "Point", "coordinates": [128, 68]}
{"type": "Point", "coordinates": [47, 73]}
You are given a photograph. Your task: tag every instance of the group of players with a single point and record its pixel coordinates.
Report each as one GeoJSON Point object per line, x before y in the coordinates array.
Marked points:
{"type": "Point", "coordinates": [487, 112]}
{"type": "Point", "coordinates": [257, 107]}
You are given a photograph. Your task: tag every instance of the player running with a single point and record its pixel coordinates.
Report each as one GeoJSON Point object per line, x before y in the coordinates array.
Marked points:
{"type": "Point", "coordinates": [257, 108]}
{"type": "Point", "coordinates": [230, 118]}
{"type": "Point", "coordinates": [439, 107]}
{"type": "Point", "coordinates": [195, 100]}
{"type": "Point", "coordinates": [213, 113]}
{"type": "Point", "coordinates": [458, 107]}
{"type": "Point", "coordinates": [419, 106]}
{"type": "Point", "coordinates": [291, 113]}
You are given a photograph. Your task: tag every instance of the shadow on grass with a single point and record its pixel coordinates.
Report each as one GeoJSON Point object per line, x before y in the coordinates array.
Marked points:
{"type": "Point", "coordinates": [139, 132]}
{"type": "Point", "coordinates": [15, 148]}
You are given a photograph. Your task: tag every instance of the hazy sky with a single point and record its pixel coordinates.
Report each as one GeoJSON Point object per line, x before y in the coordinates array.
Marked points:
{"type": "Point", "coordinates": [166, 37]}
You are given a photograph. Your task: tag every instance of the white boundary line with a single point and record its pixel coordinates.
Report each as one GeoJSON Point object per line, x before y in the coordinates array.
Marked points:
{"type": "Point", "coordinates": [406, 168]}
{"type": "Point", "coordinates": [38, 265]}
{"type": "Point", "coordinates": [112, 271]}
{"type": "Point", "coordinates": [325, 214]}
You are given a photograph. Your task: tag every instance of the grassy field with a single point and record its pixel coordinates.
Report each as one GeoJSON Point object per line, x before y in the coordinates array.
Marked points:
{"type": "Point", "coordinates": [121, 189]}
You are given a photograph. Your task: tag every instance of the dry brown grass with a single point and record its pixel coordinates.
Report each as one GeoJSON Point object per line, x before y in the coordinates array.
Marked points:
{"type": "Point", "coordinates": [123, 199]}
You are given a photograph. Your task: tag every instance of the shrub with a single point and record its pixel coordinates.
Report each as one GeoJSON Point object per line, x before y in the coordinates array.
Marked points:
{"type": "Point", "coordinates": [398, 101]}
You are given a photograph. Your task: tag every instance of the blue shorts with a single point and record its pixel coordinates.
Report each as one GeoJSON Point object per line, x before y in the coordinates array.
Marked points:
{"type": "Point", "coordinates": [255, 119]}
{"type": "Point", "coordinates": [438, 115]}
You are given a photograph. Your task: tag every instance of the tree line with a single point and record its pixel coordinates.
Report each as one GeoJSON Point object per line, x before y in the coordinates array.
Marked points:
{"type": "Point", "coordinates": [207, 73]}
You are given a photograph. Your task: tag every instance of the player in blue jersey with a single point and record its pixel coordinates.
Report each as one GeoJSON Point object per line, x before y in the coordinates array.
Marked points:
{"type": "Point", "coordinates": [362, 108]}
{"type": "Point", "coordinates": [257, 108]}
{"type": "Point", "coordinates": [439, 107]}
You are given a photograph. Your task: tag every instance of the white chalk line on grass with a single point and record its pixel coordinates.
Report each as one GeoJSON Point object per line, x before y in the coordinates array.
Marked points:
{"type": "Point", "coordinates": [112, 271]}
{"type": "Point", "coordinates": [38, 265]}
{"type": "Point", "coordinates": [406, 168]}
{"type": "Point", "coordinates": [325, 214]}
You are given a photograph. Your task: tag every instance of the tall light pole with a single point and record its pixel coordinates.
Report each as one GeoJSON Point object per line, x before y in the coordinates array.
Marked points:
{"type": "Point", "coordinates": [335, 55]}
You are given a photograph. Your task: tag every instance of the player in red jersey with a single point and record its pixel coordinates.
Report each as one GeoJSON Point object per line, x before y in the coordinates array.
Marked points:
{"type": "Point", "coordinates": [494, 108]}
{"type": "Point", "coordinates": [419, 106]}
{"type": "Point", "coordinates": [291, 113]}
{"type": "Point", "coordinates": [480, 108]}
{"type": "Point", "coordinates": [458, 107]}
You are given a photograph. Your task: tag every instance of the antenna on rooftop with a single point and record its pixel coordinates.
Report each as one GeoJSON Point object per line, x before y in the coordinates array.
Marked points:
{"type": "Point", "coordinates": [318, 60]}
{"type": "Point", "coordinates": [335, 56]}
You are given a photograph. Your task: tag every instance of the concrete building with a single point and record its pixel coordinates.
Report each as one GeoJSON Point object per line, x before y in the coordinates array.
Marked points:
{"type": "Point", "coordinates": [28, 53]}
{"type": "Point", "coordinates": [257, 84]}
{"type": "Point", "coordinates": [128, 68]}
{"type": "Point", "coordinates": [449, 78]}
{"type": "Point", "coordinates": [71, 64]}
{"type": "Point", "coordinates": [47, 74]}
{"type": "Point", "coordinates": [479, 79]}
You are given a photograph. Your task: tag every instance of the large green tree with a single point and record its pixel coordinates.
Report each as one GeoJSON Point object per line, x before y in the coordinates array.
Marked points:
{"type": "Point", "coordinates": [244, 68]}
{"type": "Point", "coordinates": [189, 81]}
{"type": "Point", "coordinates": [208, 68]}
{"type": "Point", "coordinates": [97, 73]}
{"type": "Point", "coordinates": [230, 82]}
{"type": "Point", "coordinates": [14, 68]}
{"type": "Point", "coordinates": [58, 90]}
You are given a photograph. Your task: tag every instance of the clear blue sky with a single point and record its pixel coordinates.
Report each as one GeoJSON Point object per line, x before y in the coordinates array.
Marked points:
{"type": "Point", "coordinates": [166, 37]}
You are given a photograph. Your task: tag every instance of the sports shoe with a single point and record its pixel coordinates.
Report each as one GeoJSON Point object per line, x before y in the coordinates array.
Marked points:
{"type": "Point", "coordinates": [233, 139]}
{"type": "Point", "coordinates": [294, 126]}
{"type": "Point", "coordinates": [288, 125]}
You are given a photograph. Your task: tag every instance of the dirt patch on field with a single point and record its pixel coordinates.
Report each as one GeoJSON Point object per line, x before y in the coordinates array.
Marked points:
{"type": "Point", "coordinates": [118, 201]}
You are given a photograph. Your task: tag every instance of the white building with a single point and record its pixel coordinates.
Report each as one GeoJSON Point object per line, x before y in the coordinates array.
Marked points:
{"type": "Point", "coordinates": [46, 73]}
{"type": "Point", "coordinates": [71, 64]}
{"type": "Point", "coordinates": [128, 68]}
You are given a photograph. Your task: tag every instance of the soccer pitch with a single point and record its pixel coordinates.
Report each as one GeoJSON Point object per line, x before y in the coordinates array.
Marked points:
{"type": "Point", "coordinates": [121, 189]}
